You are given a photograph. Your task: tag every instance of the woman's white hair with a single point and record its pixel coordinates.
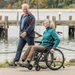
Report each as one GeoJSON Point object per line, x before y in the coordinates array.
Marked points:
{"type": "Point", "coordinates": [51, 23]}
{"type": "Point", "coordinates": [25, 5]}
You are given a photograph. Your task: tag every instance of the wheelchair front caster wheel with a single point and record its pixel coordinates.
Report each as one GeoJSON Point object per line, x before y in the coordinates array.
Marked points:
{"type": "Point", "coordinates": [37, 68]}
{"type": "Point", "coordinates": [63, 66]}
{"type": "Point", "coordinates": [30, 67]}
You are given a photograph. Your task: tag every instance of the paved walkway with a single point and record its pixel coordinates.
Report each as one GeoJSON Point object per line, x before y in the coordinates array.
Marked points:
{"type": "Point", "coordinates": [24, 71]}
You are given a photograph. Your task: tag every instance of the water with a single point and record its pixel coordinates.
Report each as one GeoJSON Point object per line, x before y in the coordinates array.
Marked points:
{"type": "Point", "coordinates": [10, 44]}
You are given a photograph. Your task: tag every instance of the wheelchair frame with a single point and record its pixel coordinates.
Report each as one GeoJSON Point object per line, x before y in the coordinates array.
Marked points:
{"type": "Point", "coordinates": [45, 53]}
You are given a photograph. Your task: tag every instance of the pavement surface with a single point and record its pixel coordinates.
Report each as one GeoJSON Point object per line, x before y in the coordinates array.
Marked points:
{"type": "Point", "coordinates": [24, 71]}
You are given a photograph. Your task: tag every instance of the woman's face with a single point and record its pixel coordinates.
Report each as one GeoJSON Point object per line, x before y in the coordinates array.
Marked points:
{"type": "Point", "coordinates": [46, 24]}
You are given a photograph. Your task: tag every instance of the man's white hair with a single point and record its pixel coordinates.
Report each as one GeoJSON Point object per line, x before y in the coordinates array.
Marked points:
{"type": "Point", "coordinates": [25, 5]}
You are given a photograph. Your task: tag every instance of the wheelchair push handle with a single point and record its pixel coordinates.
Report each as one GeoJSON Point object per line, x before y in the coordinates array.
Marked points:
{"type": "Point", "coordinates": [59, 33]}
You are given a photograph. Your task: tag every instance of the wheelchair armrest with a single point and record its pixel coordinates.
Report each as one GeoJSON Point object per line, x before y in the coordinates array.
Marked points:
{"type": "Point", "coordinates": [44, 42]}
{"type": "Point", "coordinates": [48, 42]}
{"type": "Point", "coordinates": [38, 42]}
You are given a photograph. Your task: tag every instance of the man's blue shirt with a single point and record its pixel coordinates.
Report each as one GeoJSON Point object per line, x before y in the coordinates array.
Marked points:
{"type": "Point", "coordinates": [23, 19]}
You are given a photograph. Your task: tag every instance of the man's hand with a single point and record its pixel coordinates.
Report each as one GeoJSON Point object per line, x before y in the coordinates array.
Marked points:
{"type": "Point", "coordinates": [52, 50]}
{"type": "Point", "coordinates": [23, 35]}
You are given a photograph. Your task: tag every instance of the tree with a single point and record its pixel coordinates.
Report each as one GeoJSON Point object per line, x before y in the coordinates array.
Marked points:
{"type": "Point", "coordinates": [73, 1]}
{"type": "Point", "coordinates": [24, 1]}
{"type": "Point", "coordinates": [41, 3]}
{"type": "Point", "coordinates": [9, 6]}
{"type": "Point", "coordinates": [33, 4]}
{"type": "Point", "coordinates": [17, 5]}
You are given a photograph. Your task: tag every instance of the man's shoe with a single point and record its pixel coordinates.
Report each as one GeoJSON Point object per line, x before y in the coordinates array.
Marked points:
{"type": "Point", "coordinates": [12, 64]}
{"type": "Point", "coordinates": [18, 63]}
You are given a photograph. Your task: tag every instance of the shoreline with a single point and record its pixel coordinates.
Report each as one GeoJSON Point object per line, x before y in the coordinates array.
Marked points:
{"type": "Point", "coordinates": [47, 10]}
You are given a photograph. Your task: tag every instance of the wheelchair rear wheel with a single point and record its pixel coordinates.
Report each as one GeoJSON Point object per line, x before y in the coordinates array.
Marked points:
{"type": "Point", "coordinates": [56, 60]}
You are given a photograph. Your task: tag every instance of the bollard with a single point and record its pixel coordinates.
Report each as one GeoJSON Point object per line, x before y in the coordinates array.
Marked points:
{"type": "Point", "coordinates": [0, 17]}
{"type": "Point", "coordinates": [59, 16]}
{"type": "Point", "coordinates": [47, 17]}
{"type": "Point", "coordinates": [70, 17]}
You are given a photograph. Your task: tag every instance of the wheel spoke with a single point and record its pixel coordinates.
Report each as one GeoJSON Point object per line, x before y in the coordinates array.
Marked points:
{"type": "Point", "coordinates": [55, 61]}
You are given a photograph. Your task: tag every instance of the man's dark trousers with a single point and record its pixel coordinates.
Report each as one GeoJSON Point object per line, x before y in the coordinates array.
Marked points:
{"type": "Point", "coordinates": [21, 44]}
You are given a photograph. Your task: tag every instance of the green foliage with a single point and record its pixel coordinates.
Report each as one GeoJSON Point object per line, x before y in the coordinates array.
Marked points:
{"type": "Point", "coordinates": [73, 1]}
{"type": "Point", "coordinates": [4, 64]}
{"type": "Point", "coordinates": [72, 5]}
{"type": "Point", "coordinates": [42, 64]}
{"type": "Point", "coordinates": [42, 4]}
{"type": "Point", "coordinates": [17, 5]}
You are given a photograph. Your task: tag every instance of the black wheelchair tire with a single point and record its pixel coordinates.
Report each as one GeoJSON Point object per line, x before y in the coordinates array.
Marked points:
{"type": "Point", "coordinates": [60, 65]}
{"type": "Point", "coordinates": [30, 67]}
{"type": "Point", "coordinates": [37, 68]}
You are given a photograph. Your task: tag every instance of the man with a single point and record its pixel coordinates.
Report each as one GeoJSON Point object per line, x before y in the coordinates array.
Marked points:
{"type": "Point", "coordinates": [27, 35]}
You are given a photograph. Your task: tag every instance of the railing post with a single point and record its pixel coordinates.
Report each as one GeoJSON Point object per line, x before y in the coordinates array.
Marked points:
{"type": "Point", "coordinates": [17, 18]}
{"type": "Point", "coordinates": [74, 32]}
{"type": "Point", "coordinates": [59, 15]}
{"type": "Point", "coordinates": [6, 26]}
{"type": "Point", "coordinates": [1, 33]}
{"type": "Point", "coordinates": [54, 21]}
{"type": "Point", "coordinates": [0, 17]}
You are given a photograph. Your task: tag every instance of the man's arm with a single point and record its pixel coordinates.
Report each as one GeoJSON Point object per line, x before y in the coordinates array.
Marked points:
{"type": "Point", "coordinates": [31, 25]}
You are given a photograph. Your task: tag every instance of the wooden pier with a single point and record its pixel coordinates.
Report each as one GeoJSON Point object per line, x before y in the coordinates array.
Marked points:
{"type": "Point", "coordinates": [4, 27]}
{"type": "Point", "coordinates": [4, 24]}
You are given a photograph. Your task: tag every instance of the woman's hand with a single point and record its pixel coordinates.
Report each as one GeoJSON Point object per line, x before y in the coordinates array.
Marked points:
{"type": "Point", "coordinates": [52, 50]}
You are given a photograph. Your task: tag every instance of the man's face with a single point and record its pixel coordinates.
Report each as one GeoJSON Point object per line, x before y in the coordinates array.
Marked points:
{"type": "Point", "coordinates": [25, 9]}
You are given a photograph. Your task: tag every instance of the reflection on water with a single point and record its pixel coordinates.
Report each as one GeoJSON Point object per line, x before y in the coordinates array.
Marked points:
{"type": "Point", "coordinates": [10, 44]}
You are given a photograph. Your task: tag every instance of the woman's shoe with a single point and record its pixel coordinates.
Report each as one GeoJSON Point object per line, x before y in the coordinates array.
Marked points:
{"type": "Point", "coordinates": [26, 64]}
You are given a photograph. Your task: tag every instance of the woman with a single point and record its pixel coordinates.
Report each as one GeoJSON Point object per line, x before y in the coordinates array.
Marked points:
{"type": "Point", "coordinates": [48, 35]}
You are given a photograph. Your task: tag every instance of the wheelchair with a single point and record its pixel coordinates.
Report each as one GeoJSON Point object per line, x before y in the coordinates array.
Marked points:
{"type": "Point", "coordinates": [53, 61]}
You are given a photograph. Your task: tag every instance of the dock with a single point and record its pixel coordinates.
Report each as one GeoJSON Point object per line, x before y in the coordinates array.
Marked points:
{"type": "Point", "coordinates": [4, 24]}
